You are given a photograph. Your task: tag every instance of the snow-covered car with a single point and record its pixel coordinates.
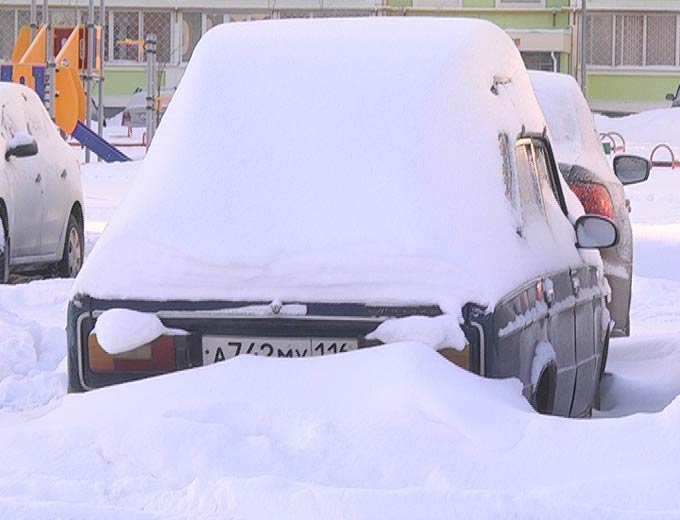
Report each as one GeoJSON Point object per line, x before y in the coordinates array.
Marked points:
{"type": "Point", "coordinates": [590, 176]}
{"type": "Point", "coordinates": [41, 196]}
{"type": "Point", "coordinates": [345, 196]}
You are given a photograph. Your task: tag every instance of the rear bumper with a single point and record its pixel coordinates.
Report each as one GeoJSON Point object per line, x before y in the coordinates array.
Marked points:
{"type": "Point", "coordinates": [205, 318]}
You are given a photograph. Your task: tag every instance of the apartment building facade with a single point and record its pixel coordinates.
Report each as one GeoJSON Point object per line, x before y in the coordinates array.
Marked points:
{"type": "Point", "coordinates": [632, 47]}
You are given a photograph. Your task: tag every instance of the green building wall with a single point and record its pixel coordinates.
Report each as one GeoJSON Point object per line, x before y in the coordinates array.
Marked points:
{"type": "Point", "coordinates": [618, 86]}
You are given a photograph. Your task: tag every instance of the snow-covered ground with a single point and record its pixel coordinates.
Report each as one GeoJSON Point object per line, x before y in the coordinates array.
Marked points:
{"type": "Point", "coordinates": [384, 433]}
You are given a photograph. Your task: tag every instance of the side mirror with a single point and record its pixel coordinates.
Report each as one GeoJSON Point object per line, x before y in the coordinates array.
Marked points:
{"type": "Point", "coordinates": [21, 145]}
{"type": "Point", "coordinates": [631, 169]}
{"type": "Point", "coordinates": [670, 97]}
{"type": "Point", "coordinates": [595, 232]}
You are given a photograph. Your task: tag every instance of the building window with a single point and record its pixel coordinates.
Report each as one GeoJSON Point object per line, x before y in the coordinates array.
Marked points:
{"type": "Point", "coordinates": [159, 23]}
{"type": "Point", "coordinates": [599, 44]}
{"type": "Point", "coordinates": [64, 17]}
{"type": "Point", "coordinates": [661, 39]}
{"type": "Point", "coordinates": [629, 34]}
{"type": "Point", "coordinates": [7, 33]}
{"type": "Point", "coordinates": [541, 61]}
{"type": "Point", "coordinates": [211, 20]}
{"type": "Point", "coordinates": [126, 28]}
{"type": "Point", "coordinates": [616, 40]}
{"type": "Point", "coordinates": [192, 30]}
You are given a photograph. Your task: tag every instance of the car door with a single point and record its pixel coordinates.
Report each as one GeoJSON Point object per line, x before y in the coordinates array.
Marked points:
{"type": "Point", "coordinates": [589, 335]}
{"type": "Point", "coordinates": [587, 296]}
{"type": "Point", "coordinates": [52, 165]}
{"type": "Point", "coordinates": [540, 314]}
{"type": "Point", "coordinates": [25, 183]}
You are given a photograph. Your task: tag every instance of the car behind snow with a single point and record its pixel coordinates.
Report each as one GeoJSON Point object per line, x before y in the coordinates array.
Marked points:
{"type": "Point", "coordinates": [41, 196]}
{"type": "Point", "coordinates": [599, 187]}
{"type": "Point", "coordinates": [343, 196]}
{"type": "Point", "coordinates": [134, 113]}
{"type": "Point", "coordinates": [674, 98]}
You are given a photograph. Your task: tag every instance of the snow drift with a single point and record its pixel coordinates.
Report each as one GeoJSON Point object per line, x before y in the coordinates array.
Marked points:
{"type": "Point", "coordinates": [390, 432]}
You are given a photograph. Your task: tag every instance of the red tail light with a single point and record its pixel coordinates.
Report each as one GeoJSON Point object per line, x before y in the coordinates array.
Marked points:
{"type": "Point", "coordinates": [594, 197]}
{"type": "Point", "coordinates": [157, 356]}
{"type": "Point", "coordinates": [126, 117]}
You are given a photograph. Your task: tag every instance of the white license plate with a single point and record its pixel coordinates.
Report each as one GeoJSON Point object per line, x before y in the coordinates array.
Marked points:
{"type": "Point", "coordinates": [220, 348]}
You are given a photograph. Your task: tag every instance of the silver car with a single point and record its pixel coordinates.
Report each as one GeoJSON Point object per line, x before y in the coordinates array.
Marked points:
{"type": "Point", "coordinates": [590, 176]}
{"type": "Point", "coordinates": [134, 114]}
{"type": "Point", "coordinates": [41, 195]}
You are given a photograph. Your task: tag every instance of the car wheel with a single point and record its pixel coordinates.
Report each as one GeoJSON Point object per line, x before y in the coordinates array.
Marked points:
{"type": "Point", "coordinates": [72, 260]}
{"type": "Point", "coordinates": [543, 399]}
{"type": "Point", "coordinates": [4, 255]}
{"type": "Point", "coordinates": [605, 355]}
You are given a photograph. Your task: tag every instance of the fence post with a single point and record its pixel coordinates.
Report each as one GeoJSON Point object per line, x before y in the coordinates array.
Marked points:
{"type": "Point", "coordinates": [150, 49]}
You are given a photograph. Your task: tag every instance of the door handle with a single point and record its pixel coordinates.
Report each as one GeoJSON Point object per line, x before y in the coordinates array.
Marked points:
{"type": "Point", "coordinates": [64, 172]}
{"type": "Point", "coordinates": [38, 178]}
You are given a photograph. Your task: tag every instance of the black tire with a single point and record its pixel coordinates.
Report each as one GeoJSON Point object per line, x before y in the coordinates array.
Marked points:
{"type": "Point", "coordinates": [4, 248]}
{"type": "Point", "coordinates": [72, 259]}
{"type": "Point", "coordinates": [605, 356]}
{"type": "Point", "coordinates": [4, 254]}
{"type": "Point", "coordinates": [543, 399]}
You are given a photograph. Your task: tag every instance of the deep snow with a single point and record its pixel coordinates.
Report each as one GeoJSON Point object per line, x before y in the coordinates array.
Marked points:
{"type": "Point", "coordinates": [390, 432]}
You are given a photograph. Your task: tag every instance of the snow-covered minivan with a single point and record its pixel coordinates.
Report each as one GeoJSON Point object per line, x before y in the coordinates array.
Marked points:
{"type": "Point", "coordinates": [41, 195]}
{"type": "Point", "coordinates": [359, 182]}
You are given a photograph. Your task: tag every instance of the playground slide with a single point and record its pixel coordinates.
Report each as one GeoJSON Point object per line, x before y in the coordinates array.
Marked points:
{"type": "Point", "coordinates": [28, 68]}
{"type": "Point", "coordinates": [98, 145]}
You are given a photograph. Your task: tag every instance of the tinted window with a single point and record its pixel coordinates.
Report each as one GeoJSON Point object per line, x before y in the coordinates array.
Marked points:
{"type": "Point", "coordinates": [510, 180]}
{"type": "Point", "coordinates": [531, 197]}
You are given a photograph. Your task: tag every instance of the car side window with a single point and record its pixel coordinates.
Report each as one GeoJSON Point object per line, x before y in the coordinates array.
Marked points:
{"type": "Point", "coordinates": [512, 192]}
{"type": "Point", "coordinates": [547, 179]}
{"type": "Point", "coordinates": [531, 196]}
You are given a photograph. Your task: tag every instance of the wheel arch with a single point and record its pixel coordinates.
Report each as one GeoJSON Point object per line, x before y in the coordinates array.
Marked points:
{"type": "Point", "coordinates": [544, 378]}
{"type": "Point", "coordinates": [77, 211]}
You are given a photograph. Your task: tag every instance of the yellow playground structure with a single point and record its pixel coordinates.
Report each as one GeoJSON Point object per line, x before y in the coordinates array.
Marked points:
{"type": "Point", "coordinates": [65, 50]}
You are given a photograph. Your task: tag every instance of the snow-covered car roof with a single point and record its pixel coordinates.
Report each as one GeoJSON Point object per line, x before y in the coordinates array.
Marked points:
{"type": "Point", "coordinates": [572, 127]}
{"type": "Point", "coordinates": [14, 92]}
{"type": "Point", "coordinates": [332, 160]}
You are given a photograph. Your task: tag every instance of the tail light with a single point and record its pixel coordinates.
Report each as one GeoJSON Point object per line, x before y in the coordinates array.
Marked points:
{"type": "Point", "coordinates": [594, 197]}
{"type": "Point", "coordinates": [457, 357]}
{"type": "Point", "coordinates": [126, 118]}
{"type": "Point", "coordinates": [155, 357]}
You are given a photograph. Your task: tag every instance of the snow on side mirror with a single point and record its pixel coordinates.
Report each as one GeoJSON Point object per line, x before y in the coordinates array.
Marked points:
{"type": "Point", "coordinates": [595, 232]}
{"type": "Point", "coordinates": [123, 330]}
{"type": "Point", "coordinates": [21, 145]}
{"type": "Point", "coordinates": [670, 97]}
{"type": "Point", "coordinates": [631, 169]}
